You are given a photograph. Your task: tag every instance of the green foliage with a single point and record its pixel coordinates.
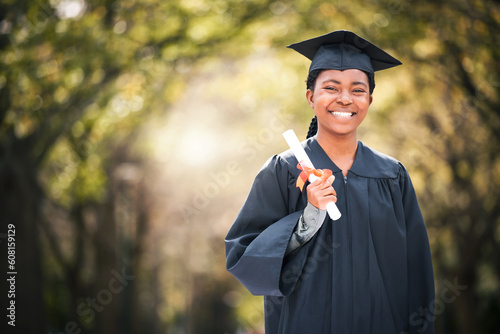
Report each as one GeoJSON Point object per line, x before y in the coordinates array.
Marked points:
{"type": "Point", "coordinates": [104, 105]}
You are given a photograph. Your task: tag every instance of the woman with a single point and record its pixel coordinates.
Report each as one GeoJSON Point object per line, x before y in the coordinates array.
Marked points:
{"type": "Point", "coordinates": [371, 270]}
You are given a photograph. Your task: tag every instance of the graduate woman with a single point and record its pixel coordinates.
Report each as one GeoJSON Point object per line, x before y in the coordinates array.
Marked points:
{"type": "Point", "coordinates": [369, 271]}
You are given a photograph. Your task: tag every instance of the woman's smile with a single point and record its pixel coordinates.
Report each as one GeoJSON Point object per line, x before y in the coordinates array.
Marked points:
{"type": "Point", "coordinates": [342, 114]}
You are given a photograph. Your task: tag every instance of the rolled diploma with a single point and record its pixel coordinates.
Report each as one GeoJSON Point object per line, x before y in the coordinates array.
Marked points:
{"type": "Point", "coordinates": [301, 155]}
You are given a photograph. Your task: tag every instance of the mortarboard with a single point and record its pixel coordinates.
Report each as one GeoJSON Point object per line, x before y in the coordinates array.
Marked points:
{"type": "Point", "coordinates": [341, 50]}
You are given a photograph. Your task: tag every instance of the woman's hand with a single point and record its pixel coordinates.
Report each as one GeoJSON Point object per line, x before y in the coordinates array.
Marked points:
{"type": "Point", "coordinates": [320, 193]}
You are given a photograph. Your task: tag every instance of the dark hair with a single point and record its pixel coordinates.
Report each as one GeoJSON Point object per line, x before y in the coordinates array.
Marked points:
{"type": "Point", "coordinates": [313, 128]}
{"type": "Point", "coordinates": [311, 81]}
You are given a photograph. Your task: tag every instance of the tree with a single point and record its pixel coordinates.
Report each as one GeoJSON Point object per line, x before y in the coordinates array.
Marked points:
{"type": "Point", "coordinates": [74, 76]}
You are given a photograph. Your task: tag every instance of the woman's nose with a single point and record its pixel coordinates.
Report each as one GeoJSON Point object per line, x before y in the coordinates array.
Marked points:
{"type": "Point", "coordinates": [344, 99]}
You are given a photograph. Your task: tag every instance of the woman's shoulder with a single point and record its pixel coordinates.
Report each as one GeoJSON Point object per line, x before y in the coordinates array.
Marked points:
{"type": "Point", "coordinates": [373, 163]}
{"type": "Point", "coordinates": [281, 162]}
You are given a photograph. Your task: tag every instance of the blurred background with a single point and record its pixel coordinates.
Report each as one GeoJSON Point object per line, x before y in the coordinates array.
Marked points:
{"type": "Point", "coordinates": [131, 131]}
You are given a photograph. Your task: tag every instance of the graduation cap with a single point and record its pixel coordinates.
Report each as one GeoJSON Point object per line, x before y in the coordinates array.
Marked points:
{"type": "Point", "coordinates": [342, 50]}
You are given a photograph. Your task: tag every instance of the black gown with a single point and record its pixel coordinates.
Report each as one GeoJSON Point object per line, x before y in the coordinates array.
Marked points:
{"type": "Point", "coordinates": [368, 272]}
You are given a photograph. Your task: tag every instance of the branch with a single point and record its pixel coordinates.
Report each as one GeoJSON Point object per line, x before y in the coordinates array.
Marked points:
{"type": "Point", "coordinates": [468, 87]}
{"type": "Point", "coordinates": [46, 141]}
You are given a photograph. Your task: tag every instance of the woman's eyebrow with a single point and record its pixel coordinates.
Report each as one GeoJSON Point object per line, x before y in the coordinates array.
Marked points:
{"type": "Point", "coordinates": [359, 83]}
{"type": "Point", "coordinates": [332, 80]}
{"type": "Point", "coordinates": [353, 83]}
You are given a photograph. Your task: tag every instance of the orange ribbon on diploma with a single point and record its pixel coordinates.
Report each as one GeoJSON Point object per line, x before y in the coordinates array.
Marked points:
{"type": "Point", "coordinates": [323, 174]}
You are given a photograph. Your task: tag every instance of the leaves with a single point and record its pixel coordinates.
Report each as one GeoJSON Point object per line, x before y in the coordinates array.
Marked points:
{"type": "Point", "coordinates": [94, 96]}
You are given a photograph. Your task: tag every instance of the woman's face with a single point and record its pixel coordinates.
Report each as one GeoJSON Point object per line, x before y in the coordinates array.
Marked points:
{"type": "Point", "coordinates": [340, 100]}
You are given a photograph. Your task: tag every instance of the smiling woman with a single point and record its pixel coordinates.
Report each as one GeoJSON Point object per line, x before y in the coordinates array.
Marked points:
{"type": "Point", "coordinates": [369, 271]}
{"type": "Point", "coordinates": [340, 100]}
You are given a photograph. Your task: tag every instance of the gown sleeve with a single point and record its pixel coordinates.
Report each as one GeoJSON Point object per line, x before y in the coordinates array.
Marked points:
{"type": "Point", "coordinates": [257, 241]}
{"type": "Point", "coordinates": [421, 296]}
{"type": "Point", "coordinates": [310, 222]}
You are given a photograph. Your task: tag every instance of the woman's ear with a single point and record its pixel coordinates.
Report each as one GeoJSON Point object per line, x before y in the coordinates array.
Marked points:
{"type": "Point", "coordinates": [309, 97]}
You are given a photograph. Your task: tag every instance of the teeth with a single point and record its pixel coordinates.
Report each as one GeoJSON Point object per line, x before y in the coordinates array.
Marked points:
{"type": "Point", "coordinates": [342, 114]}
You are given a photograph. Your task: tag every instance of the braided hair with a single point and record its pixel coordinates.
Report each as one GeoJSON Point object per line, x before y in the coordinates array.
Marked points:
{"type": "Point", "coordinates": [311, 81]}
{"type": "Point", "coordinates": [313, 128]}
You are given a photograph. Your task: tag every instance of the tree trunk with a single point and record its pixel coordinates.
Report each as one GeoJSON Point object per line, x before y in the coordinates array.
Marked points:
{"type": "Point", "coordinates": [20, 201]}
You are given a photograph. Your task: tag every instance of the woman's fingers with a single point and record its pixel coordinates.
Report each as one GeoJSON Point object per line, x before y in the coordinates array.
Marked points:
{"type": "Point", "coordinates": [320, 193]}
{"type": "Point", "coordinates": [320, 201]}
{"type": "Point", "coordinates": [328, 193]}
{"type": "Point", "coordinates": [324, 185]}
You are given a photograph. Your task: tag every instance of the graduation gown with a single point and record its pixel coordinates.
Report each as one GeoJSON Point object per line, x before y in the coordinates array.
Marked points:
{"type": "Point", "coordinates": [368, 272]}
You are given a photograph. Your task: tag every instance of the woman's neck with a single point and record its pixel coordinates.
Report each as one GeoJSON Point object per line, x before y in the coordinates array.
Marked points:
{"type": "Point", "coordinates": [340, 149]}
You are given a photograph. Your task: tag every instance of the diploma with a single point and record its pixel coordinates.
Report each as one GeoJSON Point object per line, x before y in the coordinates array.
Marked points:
{"type": "Point", "coordinates": [306, 164]}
